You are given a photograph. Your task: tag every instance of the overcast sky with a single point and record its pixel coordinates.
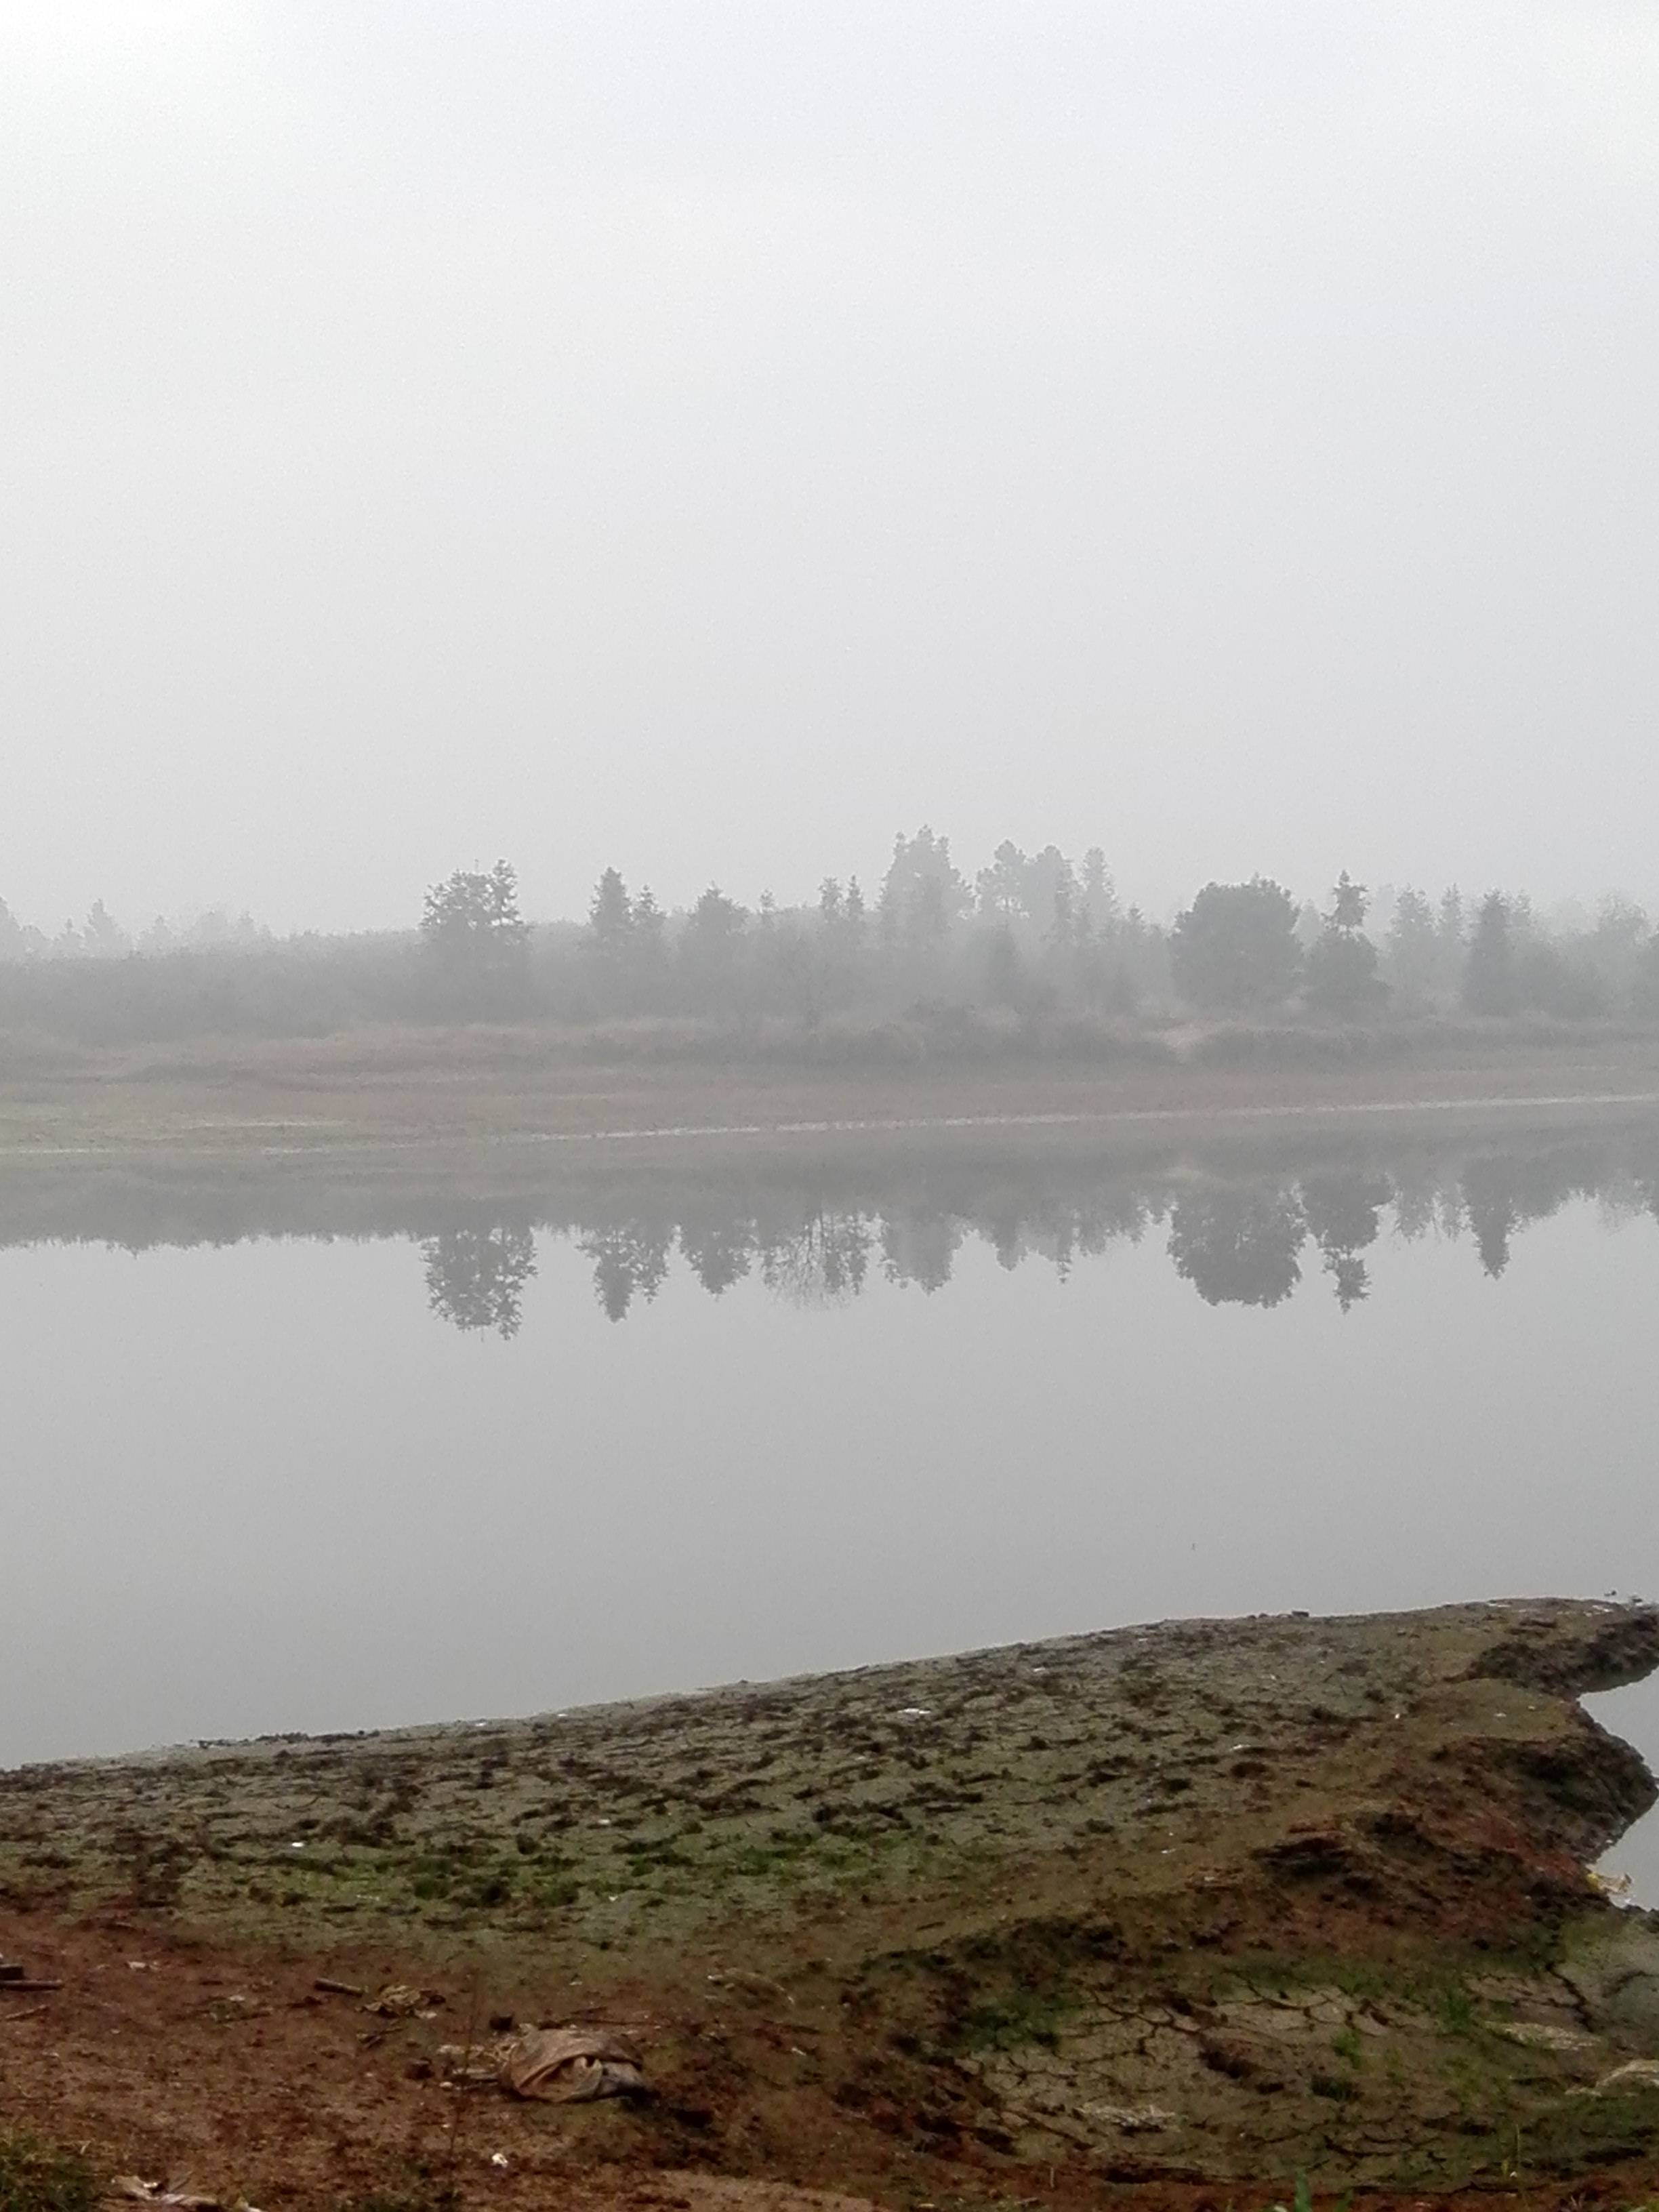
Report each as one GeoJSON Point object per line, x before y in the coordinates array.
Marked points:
{"type": "Point", "coordinates": [710, 437]}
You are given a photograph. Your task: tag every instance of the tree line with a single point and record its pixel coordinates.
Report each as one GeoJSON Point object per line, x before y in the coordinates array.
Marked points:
{"type": "Point", "coordinates": [1027, 936]}
{"type": "Point", "coordinates": [1036, 933]}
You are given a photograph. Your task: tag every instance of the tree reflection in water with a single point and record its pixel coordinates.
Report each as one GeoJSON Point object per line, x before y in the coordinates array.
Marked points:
{"type": "Point", "coordinates": [630, 1260]}
{"type": "Point", "coordinates": [719, 1252]}
{"type": "Point", "coordinates": [1238, 1247]}
{"type": "Point", "coordinates": [1237, 1238]}
{"type": "Point", "coordinates": [1344, 1213]}
{"type": "Point", "coordinates": [822, 1264]}
{"type": "Point", "coordinates": [475, 1277]}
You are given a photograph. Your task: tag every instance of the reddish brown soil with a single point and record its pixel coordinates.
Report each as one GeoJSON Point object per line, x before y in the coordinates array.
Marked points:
{"type": "Point", "coordinates": [1312, 1892]}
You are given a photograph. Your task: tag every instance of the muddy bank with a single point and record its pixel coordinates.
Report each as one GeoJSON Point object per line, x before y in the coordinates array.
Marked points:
{"type": "Point", "coordinates": [505, 1108]}
{"type": "Point", "coordinates": [1176, 1911]}
{"type": "Point", "coordinates": [1075, 1183]}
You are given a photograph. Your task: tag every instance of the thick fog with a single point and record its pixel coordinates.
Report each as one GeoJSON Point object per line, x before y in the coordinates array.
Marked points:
{"type": "Point", "coordinates": [709, 438]}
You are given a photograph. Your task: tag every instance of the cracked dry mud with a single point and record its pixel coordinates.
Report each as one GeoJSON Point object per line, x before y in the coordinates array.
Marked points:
{"type": "Point", "coordinates": [1171, 1913]}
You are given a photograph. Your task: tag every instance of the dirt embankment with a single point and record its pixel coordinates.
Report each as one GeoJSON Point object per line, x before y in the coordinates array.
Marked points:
{"type": "Point", "coordinates": [1172, 1914]}
{"type": "Point", "coordinates": [368, 1097]}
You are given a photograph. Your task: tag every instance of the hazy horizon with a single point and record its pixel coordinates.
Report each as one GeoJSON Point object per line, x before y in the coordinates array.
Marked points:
{"type": "Point", "coordinates": [704, 441]}
{"type": "Point", "coordinates": [231, 921]}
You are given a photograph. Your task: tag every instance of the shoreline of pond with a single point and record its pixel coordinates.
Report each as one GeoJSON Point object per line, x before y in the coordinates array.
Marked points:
{"type": "Point", "coordinates": [371, 1098]}
{"type": "Point", "coordinates": [377, 1167]}
{"type": "Point", "coordinates": [1312, 1890]}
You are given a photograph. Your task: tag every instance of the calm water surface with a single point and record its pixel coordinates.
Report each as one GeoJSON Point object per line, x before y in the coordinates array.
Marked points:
{"type": "Point", "coordinates": [301, 1485]}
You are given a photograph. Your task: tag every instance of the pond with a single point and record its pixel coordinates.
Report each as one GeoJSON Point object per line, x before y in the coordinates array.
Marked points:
{"type": "Point", "coordinates": [503, 1459]}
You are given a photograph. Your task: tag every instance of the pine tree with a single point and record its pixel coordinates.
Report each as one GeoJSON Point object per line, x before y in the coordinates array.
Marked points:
{"type": "Point", "coordinates": [1490, 982]}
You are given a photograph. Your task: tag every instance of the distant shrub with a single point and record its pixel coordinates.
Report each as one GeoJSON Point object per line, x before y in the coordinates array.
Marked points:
{"type": "Point", "coordinates": [1560, 983]}
{"type": "Point", "coordinates": [1263, 1045]}
{"type": "Point", "coordinates": [1236, 947]}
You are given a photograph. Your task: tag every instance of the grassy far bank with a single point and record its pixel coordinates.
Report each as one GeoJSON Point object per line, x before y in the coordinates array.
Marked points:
{"type": "Point", "coordinates": [404, 1086]}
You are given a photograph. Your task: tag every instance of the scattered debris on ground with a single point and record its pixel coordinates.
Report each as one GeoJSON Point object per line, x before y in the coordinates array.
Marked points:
{"type": "Point", "coordinates": [571, 2065]}
{"type": "Point", "coordinates": [402, 2001]}
{"type": "Point", "coordinates": [1176, 1913]}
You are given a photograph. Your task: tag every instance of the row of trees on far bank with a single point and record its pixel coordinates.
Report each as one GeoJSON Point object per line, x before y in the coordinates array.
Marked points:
{"type": "Point", "coordinates": [1028, 936]}
{"type": "Point", "coordinates": [1033, 933]}
{"type": "Point", "coordinates": [1248, 947]}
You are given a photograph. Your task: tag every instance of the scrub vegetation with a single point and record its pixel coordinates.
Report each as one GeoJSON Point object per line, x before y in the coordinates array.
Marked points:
{"type": "Point", "coordinates": [35, 2177]}
{"type": "Point", "coordinates": [1034, 953]}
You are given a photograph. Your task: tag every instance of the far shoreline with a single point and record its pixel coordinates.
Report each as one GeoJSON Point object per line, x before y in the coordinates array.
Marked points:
{"type": "Point", "coordinates": [374, 1097]}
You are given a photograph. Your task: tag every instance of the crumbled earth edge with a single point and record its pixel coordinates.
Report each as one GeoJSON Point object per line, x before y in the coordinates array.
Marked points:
{"type": "Point", "coordinates": [1171, 1915]}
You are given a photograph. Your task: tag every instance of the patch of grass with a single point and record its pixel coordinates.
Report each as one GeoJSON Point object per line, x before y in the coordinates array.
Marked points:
{"type": "Point", "coordinates": [1302, 2200]}
{"type": "Point", "coordinates": [423, 2192]}
{"type": "Point", "coordinates": [1456, 2010]}
{"type": "Point", "coordinates": [767, 1861]}
{"type": "Point", "coordinates": [555, 1890]}
{"type": "Point", "coordinates": [1013, 2020]}
{"type": "Point", "coordinates": [490, 1886]}
{"type": "Point", "coordinates": [36, 2178]}
{"type": "Point", "coordinates": [1360, 1980]}
{"type": "Point", "coordinates": [648, 1851]}
{"type": "Point", "coordinates": [1581, 2134]}
{"type": "Point", "coordinates": [460, 1878]}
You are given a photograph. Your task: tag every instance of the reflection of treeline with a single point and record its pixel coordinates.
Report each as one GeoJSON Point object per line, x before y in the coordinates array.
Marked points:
{"type": "Point", "coordinates": [1244, 1239]}
{"type": "Point", "coordinates": [1035, 948]}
